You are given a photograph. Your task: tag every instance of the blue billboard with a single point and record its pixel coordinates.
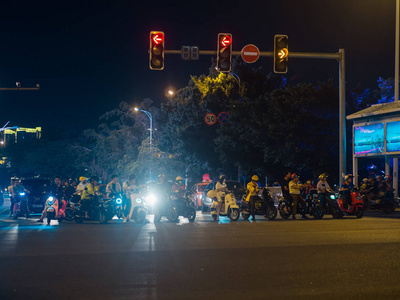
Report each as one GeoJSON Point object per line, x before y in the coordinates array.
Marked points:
{"type": "Point", "coordinates": [369, 139]}
{"type": "Point", "coordinates": [393, 136]}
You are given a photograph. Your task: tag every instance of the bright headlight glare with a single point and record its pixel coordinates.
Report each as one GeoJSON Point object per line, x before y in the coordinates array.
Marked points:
{"type": "Point", "coordinates": [333, 197]}
{"type": "Point", "coordinates": [151, 199]}
{"type": "Point", "coordinates": [51, 198]}
{"type": "Point", "coordinates": [22, 194]}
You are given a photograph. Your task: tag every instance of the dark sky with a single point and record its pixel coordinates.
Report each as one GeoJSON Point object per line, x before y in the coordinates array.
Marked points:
{"type": "Point", "coordinates": [88, 56]}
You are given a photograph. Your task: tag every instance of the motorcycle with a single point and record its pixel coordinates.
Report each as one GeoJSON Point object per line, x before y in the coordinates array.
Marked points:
{"type": "Point", "coordinates": [356, 207]}
{"type": "Point", "coordinates": [97, 210]}
{"type": "Point", "coordinates": [387, 203]}
{"type": "Point", "coordinates": [172, 207]}
{"type": "Point", "coordinates": [313, 207]}
{"type": "Point", "coordinates": [264, 206]}
{"type": "Point", "coordinates": [21, 208]}
{"type": "Point", "coordinates": [139, 209]}
{"type": "Point", "coordinates": [50, 209]}
{"type": "Point", "coordinates": [229, 206]}
{"type": "Point", "coordinates": [331, 206]}
{"type": "Point", "coordinates": [117, 201]}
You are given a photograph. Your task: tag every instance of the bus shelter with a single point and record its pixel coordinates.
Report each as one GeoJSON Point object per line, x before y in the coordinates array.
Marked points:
{"type": "Point", "coordinates": [376, 133]}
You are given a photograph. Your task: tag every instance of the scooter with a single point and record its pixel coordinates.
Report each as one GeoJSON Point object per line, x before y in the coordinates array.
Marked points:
{"type": "Point", "coordinates": [181, 206]}
{"type": "Point", "coordinates": [139, 209]}
{"type": "Point", "coordinates": [331, 206]}
{"type": "Point", "coordinates": [50, 209]}
{"type": "Point", "coordinates": [313, 206]}
{"type": "Point", "coordinates": [387, 203]}
{"type": "Point", "coordinates": [264, 206]}
{"type": "Point", "coordinates": [356, 207]}
{"type": "Point", "coordinates": [21, 205]}
{"type": "Point", "coordinates": [98, 210]}
{"type": "Point", "coordinates": [229, 206]}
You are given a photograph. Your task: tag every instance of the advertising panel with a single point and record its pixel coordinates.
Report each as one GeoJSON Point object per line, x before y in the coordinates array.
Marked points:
{"type": "Point", "coordinates": [369, 139]}
{"type": "Point", "coordinates": [393, 136]}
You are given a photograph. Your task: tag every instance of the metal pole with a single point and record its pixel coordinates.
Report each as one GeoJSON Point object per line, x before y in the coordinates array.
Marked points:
{"type": "Point", "coordinates": [342, 117]}
{"type": "Point", "coordinates": [396, 96]}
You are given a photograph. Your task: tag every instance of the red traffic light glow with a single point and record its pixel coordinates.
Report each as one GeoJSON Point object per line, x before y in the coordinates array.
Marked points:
{"type": "Point", "coordinates": [226, 40]}
{"type": "Point", "coordinates": [158, 38]}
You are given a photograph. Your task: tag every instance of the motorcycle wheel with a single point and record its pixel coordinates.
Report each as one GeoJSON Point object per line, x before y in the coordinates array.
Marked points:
{"type": "Point", "coordinates": [234, 214]}
{"type": "Point", "coordinates": [102, 217]}
{"type": "Point", "coordinates": [191, 214]}
{"type": "Point", "coordinates": [157, 218]}
{"type": "Point", "coordinates": [140, 216]}
{"type": "Point", "coordinates": [284, 215]}
{"type": "Point", "coordinates": [337, 214]}
{"type": "Point", "coordinates": [245, 215]}
{"type": "Point", "coordinates": [318, 213]}
{"type": "Point", "coordinates": [272, 212]}
{"type": "Point", "coordinates": [173, 215]}
{"type": "Point", "coordinates": [359, 212]}
{"type": "Point", "coordinates": [69, 215]}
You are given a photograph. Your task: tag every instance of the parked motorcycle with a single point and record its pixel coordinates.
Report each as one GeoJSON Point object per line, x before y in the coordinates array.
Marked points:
{"type": "Point", "coordinates": [264, 206]}
{"type": "Point", "coordinates": [229, 206]}
{"type": "Point", "coordinates": [356, 205]}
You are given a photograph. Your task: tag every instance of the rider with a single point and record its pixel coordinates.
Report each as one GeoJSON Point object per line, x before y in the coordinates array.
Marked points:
{"type": "Point", "coordinates": [89, 192]}
{"type": "Point", "coordinates": [381, 185]}
{"type": "Point", "coordinates": [131, 191]}
{"type": "Point", "coordinates": [10, 191]}
{"type": "Point", "coordinates": [295, 189]}
{"type": "Point", "coordinates": [179, 187]}
{"type": "Point", "coordinates": [58, 192]}
{"type": "Point", "coordinates": [323, 188]}
{"type": "Point", "coordinates": [17, 188]}
{"type": "Point", "coordinates": [81, 186]}
{"type": "Point", "coordinates": [372, 192]}
{"type": "Point", "coordinates": [113, 187]}
{"type": "Point", "coordinates": [285, 185]}
{"type": "Point", "coordinates": [364, 184]}
{"type": "Point", "coordinates": [220, 188]}
{"type": "Point", "coordinates": [347, 187]}
{"type": "Point", "coordinates": [252, 195]}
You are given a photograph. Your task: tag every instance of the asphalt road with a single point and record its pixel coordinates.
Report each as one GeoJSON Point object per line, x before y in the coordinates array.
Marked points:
{"type": "Point", "coordinates": [282, 259]}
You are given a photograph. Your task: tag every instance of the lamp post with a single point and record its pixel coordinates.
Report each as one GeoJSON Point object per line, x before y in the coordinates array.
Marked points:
{"type": "Point", "coordinates": [151, 123]}
{"type": "Point", "coordinates": [151, 131]}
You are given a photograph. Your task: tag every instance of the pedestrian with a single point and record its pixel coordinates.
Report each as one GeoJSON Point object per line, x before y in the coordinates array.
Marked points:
{"type": "Point", "coordinates": [221, 189]}
{"type": "Point", "coordinates": [252, 195]}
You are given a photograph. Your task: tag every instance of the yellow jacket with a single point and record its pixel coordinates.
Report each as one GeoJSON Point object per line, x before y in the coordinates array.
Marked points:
{"type": "Point", "coordinates": [252, 188]}
{"type": "Point", "coordinates": [89, 191]}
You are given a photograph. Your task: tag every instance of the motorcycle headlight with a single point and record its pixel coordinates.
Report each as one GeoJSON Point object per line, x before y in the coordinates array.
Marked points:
{"type": "Point", "coordinates": [333, 197]}
{"type": "Point", "coordinates": [151, 199]}
{"type": "Point", "coordinates": [118, 201]}
{"type": "Point", "coordinates": [22, 194]}
{"type": "Point", "coordinates": [51, 198]}
{"type": "Point", "coordinates": [138, 200]}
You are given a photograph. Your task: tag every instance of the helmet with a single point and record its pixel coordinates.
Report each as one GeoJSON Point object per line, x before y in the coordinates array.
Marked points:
{"type": "Point", "coordinates": [309, 182]}
{"type": "Point", "coordinates": [294, 175]}
{"type": "Point", "coordinates": [178, 178]}
{"type": "Point", "coordinates": [323, 175]}
{"type": "Point", "coordinates": [348, 176]}
{"type": "Point", "coordinates": [365, 180]}
{"type": "Point", "coordinates": [388, 177]}
{"type": "Point", "coordinates": [255, 178]}
{"type": "Point", "coordinates": [82, 178]}
{"type": "Point", "coordinates": [222, 177]}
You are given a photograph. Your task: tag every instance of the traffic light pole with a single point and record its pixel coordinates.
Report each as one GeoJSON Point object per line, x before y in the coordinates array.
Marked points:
{"type": "Point", "coordinates": [342, 93]}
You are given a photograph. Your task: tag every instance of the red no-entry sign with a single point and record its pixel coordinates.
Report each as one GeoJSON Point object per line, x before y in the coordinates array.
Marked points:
{"type": "Point", "coordinates": [250, 53]}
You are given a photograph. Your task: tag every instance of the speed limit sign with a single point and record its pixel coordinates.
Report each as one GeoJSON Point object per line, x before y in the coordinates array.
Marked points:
{"type": "Point", "coordinates": [210, 119]}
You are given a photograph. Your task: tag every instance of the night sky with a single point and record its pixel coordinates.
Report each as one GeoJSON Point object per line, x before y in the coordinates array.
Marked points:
{"type": "Point", "coordinates": [88, 56]}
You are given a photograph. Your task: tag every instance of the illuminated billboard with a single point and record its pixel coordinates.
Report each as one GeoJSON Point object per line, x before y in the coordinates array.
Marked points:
{"type": "Point", "coordinates": [369, 139]}
{"type": "Point", "coordinates": [393, 136]}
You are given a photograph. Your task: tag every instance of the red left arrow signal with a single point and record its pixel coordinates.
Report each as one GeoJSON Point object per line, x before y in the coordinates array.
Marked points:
{"type": "Point", "coordinates": [158, 38]}
{"type": "Point", "coordinates": [226, 40]}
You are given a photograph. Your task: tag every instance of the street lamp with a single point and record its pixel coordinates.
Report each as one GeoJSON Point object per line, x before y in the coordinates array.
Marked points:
{"type": "Point", "coordinates": [151, 131]}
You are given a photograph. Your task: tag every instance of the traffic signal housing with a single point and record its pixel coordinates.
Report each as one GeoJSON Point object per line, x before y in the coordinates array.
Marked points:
{"type": "Point", "coordinates": [156, 50]}
{"type": "Point", "coordinates": [281, 53]}
{"type": "Point", "coordinates": [224, 52]}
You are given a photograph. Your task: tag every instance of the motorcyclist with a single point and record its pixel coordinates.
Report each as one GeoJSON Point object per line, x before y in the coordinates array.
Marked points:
{"type": "Point", "coordinates": [389, 185]}
{"type": "Point", "coordinates": [372, 192]}
{"type": "Point", "coordinates": [364, 184]}
{"type": "Point", "coordinates": [252, 195]}
{"type": "Point", "coordinates": [221, 189]}
{"type": "Point", "coordinates": [10, 192]}
{"type": "Point", "coordinates": [381, 185]}
{"type": "Point", "coordinates": [50, 202]}
{"type": "Point", "coordinates": [295, 190]}
{"type": "Point", "coordinates": [179, 187]}
{"type": "Point", "coordinates": [285, 185]}
{"type": "Point", "coordinates": [81, 186]}
{"type": "Point", "coordinates": [57, 190]}
{"type": "Point", "coordinates": [88, 194]}
{"type": "Point", "coordinates": [323, 188]}
{"type": "Point", "coordinates": [113, 187]}
{"type": "Point", "coordinates": [17, 188]}
{"type": "Point", "coordinates": [346, 188]}
{"type": "Point", "coordinates": [131, 191]}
